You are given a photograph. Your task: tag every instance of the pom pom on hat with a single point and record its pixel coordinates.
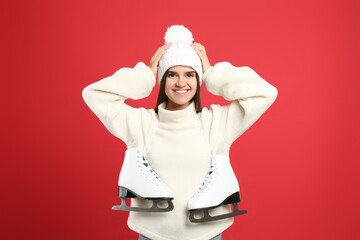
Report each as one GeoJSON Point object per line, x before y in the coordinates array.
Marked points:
{"type": "Point", "coordinates": [180, 52]}
{"type": "Point", "coordinates": [178, 34]}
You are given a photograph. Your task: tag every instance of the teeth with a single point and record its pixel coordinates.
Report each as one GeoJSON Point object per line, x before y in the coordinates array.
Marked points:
{"type": "Point", "coordinates": [182, 91]}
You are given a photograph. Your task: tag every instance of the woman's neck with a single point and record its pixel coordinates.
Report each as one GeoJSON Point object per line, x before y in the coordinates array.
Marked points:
{"type": "Point", "coordinates": [171, 106]}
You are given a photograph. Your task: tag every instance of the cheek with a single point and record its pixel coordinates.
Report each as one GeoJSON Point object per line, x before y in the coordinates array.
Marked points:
{"type": "Point", "coordinates": [167, 86]}
{"type": "Point", "coordinates": [194, 85]}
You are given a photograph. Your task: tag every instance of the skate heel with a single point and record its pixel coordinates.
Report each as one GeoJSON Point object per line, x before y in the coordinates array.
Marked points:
{"type": "Point", "coordinates": [234, 198]}
{"type": "Point", "coordinates": [124, 193]}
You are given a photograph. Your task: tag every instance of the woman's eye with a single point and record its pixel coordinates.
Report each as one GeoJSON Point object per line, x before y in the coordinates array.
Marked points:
{"type": "Point", "coordinates": [190, 75]}
{"type": "Point", "coordinates": [171, 75]}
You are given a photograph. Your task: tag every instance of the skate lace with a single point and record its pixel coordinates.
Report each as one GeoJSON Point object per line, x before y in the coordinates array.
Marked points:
{"type": "Point", "coordinates": [145, 166]}
{"type": "Point", "coordinates": [207, 182]}
{"type": "Point", "coordinates": [149, 172]}
{"type": "Point", "coordinates": [213, 170]}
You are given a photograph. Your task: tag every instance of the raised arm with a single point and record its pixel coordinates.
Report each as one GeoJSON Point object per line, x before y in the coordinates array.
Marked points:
{"type": "Point", "coordinates": [250, 94]}
{"type": "Point", "coordinates": [106, 98]}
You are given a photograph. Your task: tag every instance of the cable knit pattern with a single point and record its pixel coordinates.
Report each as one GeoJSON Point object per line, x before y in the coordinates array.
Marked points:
{"type": "Point", "coordinates": [178, 151]}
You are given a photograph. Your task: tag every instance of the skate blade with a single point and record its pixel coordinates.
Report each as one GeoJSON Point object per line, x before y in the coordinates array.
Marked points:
{"type": "Point", "coordinates": [208, 218]}
{"type": "Point", "coordinates": [153, 208]}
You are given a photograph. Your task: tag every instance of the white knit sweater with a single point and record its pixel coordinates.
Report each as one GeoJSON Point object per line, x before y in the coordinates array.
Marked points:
{"type": "Point", "coordinates": [178, 151]}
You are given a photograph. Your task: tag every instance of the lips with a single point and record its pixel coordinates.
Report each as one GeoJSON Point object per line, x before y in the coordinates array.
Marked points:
{"type": "Point", "coordinates": [181, 91]}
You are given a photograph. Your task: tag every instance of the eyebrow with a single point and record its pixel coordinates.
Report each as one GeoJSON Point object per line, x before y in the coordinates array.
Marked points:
{"type": "Point", "coordinates": [185, 72]}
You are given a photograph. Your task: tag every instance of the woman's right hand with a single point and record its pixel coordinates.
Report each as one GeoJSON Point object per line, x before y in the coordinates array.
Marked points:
{"type": "Point", "coordinates": [154, 62]}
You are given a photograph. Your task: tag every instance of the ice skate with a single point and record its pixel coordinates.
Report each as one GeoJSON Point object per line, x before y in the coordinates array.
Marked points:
{"type": "Point", "coordinates": [138, 179]}
{"type": "Point", "coordinates": [219, 187]}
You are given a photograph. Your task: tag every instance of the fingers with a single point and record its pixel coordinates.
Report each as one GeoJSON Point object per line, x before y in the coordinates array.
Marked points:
{"type": "Point", "coordinates": [200, 50]}
{"type": "Point", "coordinates": [156, 58]}
{"type": "Point", "coordinates": [198, 46]}
{"type": "Point", "coordinates": [161, 50]}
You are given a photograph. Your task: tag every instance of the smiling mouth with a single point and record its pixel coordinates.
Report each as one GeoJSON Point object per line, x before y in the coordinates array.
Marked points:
{"type": "Point", "coordinates": [181, 91]}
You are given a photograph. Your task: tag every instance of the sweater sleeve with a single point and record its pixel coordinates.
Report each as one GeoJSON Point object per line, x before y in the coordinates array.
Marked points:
{"type": "Point", "coordinates": [106, 98]}
{"type": "Point", "coordinates": [251, 96]}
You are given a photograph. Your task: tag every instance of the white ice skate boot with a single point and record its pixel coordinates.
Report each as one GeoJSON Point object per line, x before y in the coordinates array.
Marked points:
{"type": "Point", "coordinates": [138, 179]}
{"type": "Point", "coordinates": [220, 186]}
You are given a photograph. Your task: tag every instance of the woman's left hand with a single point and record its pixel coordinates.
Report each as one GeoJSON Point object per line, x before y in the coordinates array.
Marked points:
{"type": "Point", "coordinates": [200, 50]}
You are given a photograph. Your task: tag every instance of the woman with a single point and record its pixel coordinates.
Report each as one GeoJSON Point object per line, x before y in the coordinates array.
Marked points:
{"type": "Point", "coordinates": [176, 148]}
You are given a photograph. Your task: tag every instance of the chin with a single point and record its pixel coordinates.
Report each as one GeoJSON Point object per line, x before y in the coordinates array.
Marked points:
{"type": "Point", "coordinates": [182, 103]}
{"type": "Point", "coordinates": [178, 104]}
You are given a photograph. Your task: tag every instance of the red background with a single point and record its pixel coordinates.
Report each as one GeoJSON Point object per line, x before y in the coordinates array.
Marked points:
{"type": "Point", "coordinates": [298, 166]}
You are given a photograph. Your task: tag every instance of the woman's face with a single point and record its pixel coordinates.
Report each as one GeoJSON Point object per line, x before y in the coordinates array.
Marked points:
{"type": "Point", "coordinates": [180, 87]}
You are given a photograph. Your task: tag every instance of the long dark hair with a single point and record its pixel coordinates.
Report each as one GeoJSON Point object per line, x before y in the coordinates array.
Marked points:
{"type": "Point", "coordinates": [163, 98]}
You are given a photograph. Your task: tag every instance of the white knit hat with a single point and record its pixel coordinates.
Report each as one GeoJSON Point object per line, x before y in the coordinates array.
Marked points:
{"type": "Point", "coordinates": [180, 52]}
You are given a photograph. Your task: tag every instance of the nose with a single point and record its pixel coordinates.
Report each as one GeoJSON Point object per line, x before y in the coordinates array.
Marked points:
{"type": "Point", "coordinates": [181, 82]}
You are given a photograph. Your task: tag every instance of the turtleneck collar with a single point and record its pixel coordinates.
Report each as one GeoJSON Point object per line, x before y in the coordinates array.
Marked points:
{"type": "Point", "coordinates": [183, 115]}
